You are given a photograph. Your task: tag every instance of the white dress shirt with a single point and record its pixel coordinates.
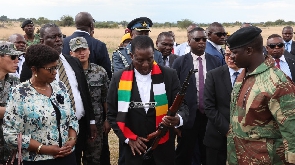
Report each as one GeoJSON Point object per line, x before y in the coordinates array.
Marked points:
{"type": "Point", "coordinates": [232, 76]}
{"type": "Point", "coordinates": [288, 48]}
{"type": "Point", "coordinates": [196, 66]}
{"type": "Point", "coordinates": [284, 66]}
{"type": "Point", "coordinates": [218, 47]}
{"type": "Point", "coordinates": [80, 112]}
{"type": "Point", "coordinates": [166, 62]}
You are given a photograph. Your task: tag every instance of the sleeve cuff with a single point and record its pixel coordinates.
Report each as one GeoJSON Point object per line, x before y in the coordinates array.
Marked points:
{"type": "Point", "coordinates": [92, 121]}
{"type": "Point", "coordinates": [290, 157]}
{"type": "Point", "coordinates": [127, 140]}
{"type": "Point", "coordinates": [180, 121]}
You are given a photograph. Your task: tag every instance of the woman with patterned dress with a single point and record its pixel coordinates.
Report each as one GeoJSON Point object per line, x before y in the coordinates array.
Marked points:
{"type": "Point", "coordinates": [41, 110]}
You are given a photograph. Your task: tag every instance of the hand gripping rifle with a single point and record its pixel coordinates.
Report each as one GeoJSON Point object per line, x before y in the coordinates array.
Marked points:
{"type": "Point", "coordinates": [162, 129]}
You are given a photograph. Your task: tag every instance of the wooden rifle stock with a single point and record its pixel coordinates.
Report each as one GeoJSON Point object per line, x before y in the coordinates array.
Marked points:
{"type": "Point", "coordinates": [162, 129]}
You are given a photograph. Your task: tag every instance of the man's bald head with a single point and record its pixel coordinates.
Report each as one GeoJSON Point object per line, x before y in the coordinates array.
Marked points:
{"type": "Point", "coordinates": [13, 37]}
{"type": "Point", "coordinates": [83, 20]}
{"type": "Point", "coordinates": [19, 41]}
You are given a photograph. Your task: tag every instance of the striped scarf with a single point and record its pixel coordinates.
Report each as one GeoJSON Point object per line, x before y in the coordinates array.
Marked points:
{"type": "Point", "coordinates": [124, 95]}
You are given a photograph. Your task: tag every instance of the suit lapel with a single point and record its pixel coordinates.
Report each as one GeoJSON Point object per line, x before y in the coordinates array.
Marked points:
{"type": "Point", "coordinates": [188, 65]}
{"type": "Point", "coordinates": [171, 60]}
{"type": "Point", "coordinates": [226, 79]}
{"type": "Point", "coordinates": [209, 63]}
{"type": "Point", "coordinates": [291, 64]}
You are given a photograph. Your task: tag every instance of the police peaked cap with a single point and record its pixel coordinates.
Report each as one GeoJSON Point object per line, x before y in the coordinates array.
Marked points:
{"type": "Point", "coordinates": [142, 23]}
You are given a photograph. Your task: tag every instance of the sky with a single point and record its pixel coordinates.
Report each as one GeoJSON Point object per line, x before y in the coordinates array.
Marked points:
{"type": "Point", "coordinates": [157, 10]}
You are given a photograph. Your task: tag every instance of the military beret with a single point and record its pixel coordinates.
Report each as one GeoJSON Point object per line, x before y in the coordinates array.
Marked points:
{"type": "Point", "coordinates": [243, 37]}
{"type": "Point", "coordinates": [8, 48]}
{"type": "Point", "coordinates": [139, 24]}
{"type": "Point", "coordinates": [27, 22]}
{"type": "Point", "coordinates": [78, 42]}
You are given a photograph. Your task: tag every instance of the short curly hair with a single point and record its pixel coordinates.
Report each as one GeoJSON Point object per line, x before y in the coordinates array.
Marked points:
{"type": "Point", "coordinates": [40, 55]}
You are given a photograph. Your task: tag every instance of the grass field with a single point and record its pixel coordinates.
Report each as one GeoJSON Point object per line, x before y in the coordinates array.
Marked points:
{"type": "Point", "coordinates": [112, 37]}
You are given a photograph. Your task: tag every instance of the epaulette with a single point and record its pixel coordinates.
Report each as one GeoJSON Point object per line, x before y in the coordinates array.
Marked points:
{"type": "Point", "coordinates": [127, 50]}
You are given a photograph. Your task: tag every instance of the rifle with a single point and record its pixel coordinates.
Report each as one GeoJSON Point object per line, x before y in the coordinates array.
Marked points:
{"type": "Point", "coordinates": [162, 129]}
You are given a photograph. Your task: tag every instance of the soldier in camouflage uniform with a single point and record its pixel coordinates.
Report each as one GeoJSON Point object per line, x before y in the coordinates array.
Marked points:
{"type": "Point", "coordinates": [31, 37]}
{"type": "Point", "coordinates": [8, 64]}
{"type": "Point", "coordinates": [97, 79]}
{"type": "Point", "coordinates": [122, 56]}
{"type": "Point", "coordinates": [262, 112]}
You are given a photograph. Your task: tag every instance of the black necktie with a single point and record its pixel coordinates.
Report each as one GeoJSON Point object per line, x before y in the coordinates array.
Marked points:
{"type": "Point", "coordinates": [236, 74]}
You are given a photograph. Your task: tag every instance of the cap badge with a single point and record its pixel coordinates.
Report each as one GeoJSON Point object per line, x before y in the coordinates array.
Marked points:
{"type": "Point", "coordinates": [78, 42]}
{"type": "Point", "coordinates": [144, 24]}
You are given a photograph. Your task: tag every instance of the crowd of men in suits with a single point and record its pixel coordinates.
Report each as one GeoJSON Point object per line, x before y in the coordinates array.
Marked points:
{"type": "Point", "coordinates": [204, 118]}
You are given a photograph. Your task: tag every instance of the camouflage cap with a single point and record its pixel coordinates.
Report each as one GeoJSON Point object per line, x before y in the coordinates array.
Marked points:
{"type": "Point", "coordinates": [78, 42]}
{"type": "Point", "coordinates": [7, 48]}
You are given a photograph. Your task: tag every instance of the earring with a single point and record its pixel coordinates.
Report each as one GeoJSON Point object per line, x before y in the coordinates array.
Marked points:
{"type": "Point", "coordinates": [36, 75]}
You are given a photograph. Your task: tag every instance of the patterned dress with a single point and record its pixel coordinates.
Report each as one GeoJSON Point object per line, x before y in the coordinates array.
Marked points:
{"type": "Point", "coordinates": [97, 80]}
{"type": "Point", "coordinates": [9, 81]}
{"type": "Point", "coordinates": [262, 123]}
{"type": "Point", "coordinates": [33, 114]}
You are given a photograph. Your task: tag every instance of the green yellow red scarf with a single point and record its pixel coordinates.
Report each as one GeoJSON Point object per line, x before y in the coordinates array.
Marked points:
{"type": "Point", "coordinates": [124, 95]}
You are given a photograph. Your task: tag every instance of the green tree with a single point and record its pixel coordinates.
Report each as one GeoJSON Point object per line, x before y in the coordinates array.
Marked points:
{"type": "Point", "coordinates": [66, 20]}
{"type": "Point", "coordinates": [124, 23]}
{"type": "Point", "coordinates": [3, 19]}
{"type": "Point", "coordinates": [279, 22]}
{"type": "Point", "coordinates": [42, 20]}
{"type": "Point", "coordinates": [184, 23]}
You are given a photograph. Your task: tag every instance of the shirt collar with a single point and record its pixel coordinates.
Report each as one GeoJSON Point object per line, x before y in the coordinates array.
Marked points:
{"type": "Point", "coordinates": [290, 42]}
{"type": "Point", "coordinates": [231, 71]}
{"type": "Point", "coordinates": [195, 57]}
{"type": "Point", "coordinates": [140, 77]}
{"type": "Point", "coordinates": [282, 58]}
{"type": "Point", "coordinates": [218, 47]}
{"type": "Point", "coordinates": [81, 31]}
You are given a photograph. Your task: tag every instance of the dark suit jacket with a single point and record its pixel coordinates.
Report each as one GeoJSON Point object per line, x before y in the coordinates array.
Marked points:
{"type": "Point", "coordinates": [210, 49]}
{"type": "Point", "coordinates": [289, 55]}
{"type": "Point", "coordinates": [183, 65]}
{"type": "Point", "coordinates": [82, 85]}
{"type": "Point", "coordinates": [172, 57]}
{"type": "Point", "coordinates": [291, 63]}
{"type": "Point", "coordinates": [98, 50]}
{"type": "Point", "coordinates": [142, 123]}
{"type": "Point", "coordinates": [293, 48]}
{"type": "Point", "coordinates": [217, 94]}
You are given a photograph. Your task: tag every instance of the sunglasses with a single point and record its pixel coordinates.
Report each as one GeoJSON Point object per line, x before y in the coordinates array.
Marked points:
{"type": "Point", "coordinates": [219, 34]}
{"type": "Point", "coordinates": [199, 39]}
{"type": "Point", "coordinates": [12, 57]}
{"type": "Point", "coordinates": [51, 69]}
{"type": "Point", "coordinates": [279, 45]}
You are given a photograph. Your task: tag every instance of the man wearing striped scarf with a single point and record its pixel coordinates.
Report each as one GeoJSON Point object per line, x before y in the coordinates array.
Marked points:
{"type": "Point", "coordinates": [138, 99]}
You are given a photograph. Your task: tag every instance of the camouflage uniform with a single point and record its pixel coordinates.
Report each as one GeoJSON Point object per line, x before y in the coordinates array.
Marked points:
{"type": "Point", "coordinates": [35, 41]}
{"type": "Point", "coordinates": [9, 81]}
{"type": "Point", "coordinates": [262, 118]}
{"type": "Point", "coordinates": [97, 80]}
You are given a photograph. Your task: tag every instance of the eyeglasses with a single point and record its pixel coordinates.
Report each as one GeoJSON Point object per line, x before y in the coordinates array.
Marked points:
{"type": "Point", "coordinates": [199, 39]}
{"type": "Point", "coordinates": [51, 69]}
{"type": "Point", "coordinates": [279, 45]}
{"type": "Point", "coordinates": [219, 34]}
{"type": "Point", "coordinates": [12, 57]}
